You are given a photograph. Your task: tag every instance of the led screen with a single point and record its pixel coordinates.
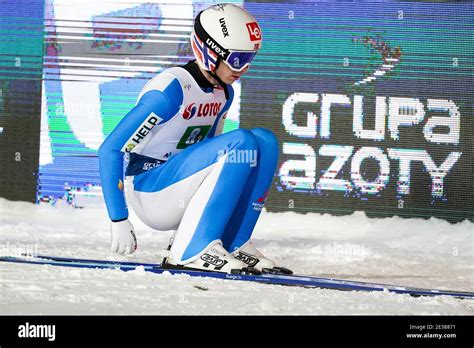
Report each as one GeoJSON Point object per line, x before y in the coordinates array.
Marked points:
{"type": "Point", "coordinates": [371, 101]}
{"type": "Point", "coordinates": [372, 104]}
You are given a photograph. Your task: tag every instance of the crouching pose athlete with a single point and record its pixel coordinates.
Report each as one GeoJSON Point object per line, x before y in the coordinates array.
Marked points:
{"type": "Point", "coordinates": [179, 173]}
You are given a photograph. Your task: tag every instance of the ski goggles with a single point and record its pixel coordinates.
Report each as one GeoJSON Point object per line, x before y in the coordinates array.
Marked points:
{"type": "Point", "coordinates": [238, 61]}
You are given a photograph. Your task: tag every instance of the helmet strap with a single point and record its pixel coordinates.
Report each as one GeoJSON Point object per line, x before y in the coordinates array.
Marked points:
{"type": "Point", "coordinates": [221, 83]}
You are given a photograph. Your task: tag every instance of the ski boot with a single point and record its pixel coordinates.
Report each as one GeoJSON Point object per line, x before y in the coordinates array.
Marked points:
{"type": "Point", "coordinates": [250, 255]}
{"type": "Point", "coordinates": [214, 259]}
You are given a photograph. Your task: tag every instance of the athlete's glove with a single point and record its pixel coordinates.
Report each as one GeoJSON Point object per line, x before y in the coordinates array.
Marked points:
{"type": "Point", "coordinates": [123, 237]}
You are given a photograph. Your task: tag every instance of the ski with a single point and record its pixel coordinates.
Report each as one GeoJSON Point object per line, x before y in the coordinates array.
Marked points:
{"type": "Point", "coordinates": [274, 279]}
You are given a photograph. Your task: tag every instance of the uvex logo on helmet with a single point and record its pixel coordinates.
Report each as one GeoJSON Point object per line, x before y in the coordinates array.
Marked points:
{"type": "Point", "coordinates": [225, 31]}
{"type": "Point", "coordinates": [207, 109]}
{"type": "Point", "coordinates": [215, 47]}
{"type": "Point", "coordinates": [254, 31]}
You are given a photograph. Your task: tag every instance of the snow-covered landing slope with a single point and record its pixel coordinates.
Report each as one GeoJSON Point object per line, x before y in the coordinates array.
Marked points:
{"type": "Point", "coordinates": [425, 253]}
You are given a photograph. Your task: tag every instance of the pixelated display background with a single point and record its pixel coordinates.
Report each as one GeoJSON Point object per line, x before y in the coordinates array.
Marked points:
{"type": "Point", "coordinates": [417, 51]}
{"type": "Point", "coordinates": [71, 70]}
{"type": "Point", "coordinates": [21, 56]}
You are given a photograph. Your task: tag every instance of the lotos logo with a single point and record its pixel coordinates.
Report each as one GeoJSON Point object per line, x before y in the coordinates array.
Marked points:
{"type": "Point", "coordinates": [254, 31]}
{"type": "Point", "coordinates": [208, 109]}
{"type": "Point", "coordinates": [189, 112]}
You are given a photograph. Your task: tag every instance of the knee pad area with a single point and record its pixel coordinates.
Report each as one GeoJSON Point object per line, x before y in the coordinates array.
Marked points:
{"type": "Point", "coordinates": [263, 134]}
{"type": "Point", "coordinates": [243, 139]}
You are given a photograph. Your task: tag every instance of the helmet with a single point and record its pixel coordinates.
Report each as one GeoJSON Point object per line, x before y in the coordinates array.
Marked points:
{"type": "Point", "coordinates": [228, 33]}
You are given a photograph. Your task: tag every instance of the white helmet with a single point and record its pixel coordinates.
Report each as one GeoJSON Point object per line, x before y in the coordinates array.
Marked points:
{"type": "Point", "coordinates": [225, 32]}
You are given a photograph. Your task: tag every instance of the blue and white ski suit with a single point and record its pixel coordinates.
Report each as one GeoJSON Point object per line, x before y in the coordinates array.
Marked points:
{"type": "Point", "coordinates": [182, 173]}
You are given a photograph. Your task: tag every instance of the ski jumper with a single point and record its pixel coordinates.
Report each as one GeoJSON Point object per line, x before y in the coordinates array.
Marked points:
{"type": "Point", "coordinates": [181, 173]}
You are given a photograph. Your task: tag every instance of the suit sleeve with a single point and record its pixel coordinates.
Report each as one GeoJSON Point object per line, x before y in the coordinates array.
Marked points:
{"type": "Point", "coordinates": [154, 107]}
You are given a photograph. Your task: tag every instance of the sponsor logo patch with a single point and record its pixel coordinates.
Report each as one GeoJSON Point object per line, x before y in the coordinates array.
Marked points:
{"type": "Point", "coordinates": [213, 46]}
{"type": "Point", "coordinates": [213, 260]}
{"type": "Point", "coordinates": [254, 31]}
{"type": "Point", "coordinates": [142, 131]}
{"type": "Point", "coordinates": [225, 31]}
{"type": "Point", "coordinates": [189, 111]}
{"type": "Point", "coordinates": [247, 259]}
{"type": "Point", "coordinates": [203, 110]}
{"type": "Point", "coordinates": [260, 203]}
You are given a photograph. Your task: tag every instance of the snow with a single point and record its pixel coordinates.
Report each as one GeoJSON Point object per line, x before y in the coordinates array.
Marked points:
{"type": "Point", "coordinates": [425, 253]}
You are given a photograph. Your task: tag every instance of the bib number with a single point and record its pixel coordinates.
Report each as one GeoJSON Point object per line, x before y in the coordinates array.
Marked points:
{"type": "Point", "coordinates": [193, 135]}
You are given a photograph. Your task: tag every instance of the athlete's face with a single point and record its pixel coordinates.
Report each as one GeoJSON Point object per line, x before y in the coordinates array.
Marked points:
{"type": "Point", "coordinates": [227, 75]}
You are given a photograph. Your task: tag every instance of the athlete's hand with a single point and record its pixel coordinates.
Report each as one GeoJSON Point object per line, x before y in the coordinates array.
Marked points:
{"type": "Point", "coordinates": [123, 238]}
